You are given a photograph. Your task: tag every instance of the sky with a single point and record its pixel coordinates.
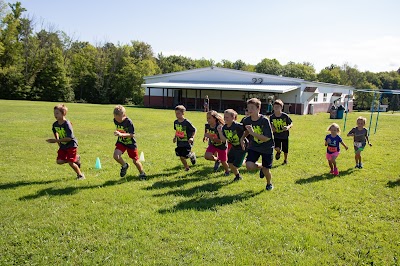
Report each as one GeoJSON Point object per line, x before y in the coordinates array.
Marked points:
{"type": "Point", "coordinates": [363, 34]}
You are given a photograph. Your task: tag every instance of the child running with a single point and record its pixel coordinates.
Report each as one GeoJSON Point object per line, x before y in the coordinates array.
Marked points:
{"type": "Point", "coordinates": [333, 141]}
{"type": "Point", "coordinates": [184, 137]}
{"type": "Point", "coordinates": [68, 144]}
{"type": "Point", "coordinates": [281, 123]}
{"type": "Point", "coordinates": [232, 132]}
{"type": "Point", "coordinates": [215, 145]}
{"type": "Point", "coordinates": [126, 141]}
{"type": "Point", "coordinates": [360, 135]}
{"type": "Point", "coordinates": [260, 141]}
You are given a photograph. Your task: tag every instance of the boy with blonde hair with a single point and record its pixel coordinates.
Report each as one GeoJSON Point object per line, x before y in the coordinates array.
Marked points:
{"type": "Point", "coordinates": [232, 132]}
{"type": "Point", "coordinates": [184, 137]}
{"type": "Point", "coordinates": [68, 144]}
{"type": "Point", "coordinates": [125, 131]}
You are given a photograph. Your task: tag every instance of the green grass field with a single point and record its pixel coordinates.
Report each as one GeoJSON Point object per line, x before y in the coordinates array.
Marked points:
{"type": "Point", "coordinates": [197, 217]}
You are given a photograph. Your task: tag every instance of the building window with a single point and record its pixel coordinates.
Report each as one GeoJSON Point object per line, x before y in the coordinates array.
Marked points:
{"type": "Point", "coordinates": [316, 98]}
{"type": "Point", "coordinates": [325, 96]}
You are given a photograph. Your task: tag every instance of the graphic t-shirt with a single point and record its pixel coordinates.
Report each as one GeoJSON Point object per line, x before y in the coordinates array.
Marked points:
{"type": "Point", "coordinates": [214, 132]}
{"type": "Point", "coordinates": [233, 134]}
{"type": "Point", "coordinates": [126, 126]}
{"type": "Point", "coordinates": [65, 131]}
{"type": "Point", "coordinates": [360, 139]}
{"type": "Point", "coordinates": [279, 123]}
{"type": "Point", "coordinates": [183, 131]}
{"type": "Point", "coordinates": [333, 143]}
{"type": "Point", "coordinates": [263, 127]}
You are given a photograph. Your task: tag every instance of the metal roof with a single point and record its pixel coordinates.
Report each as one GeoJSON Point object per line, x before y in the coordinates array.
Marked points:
{"type": "Point", "coordinates": [227, 87]}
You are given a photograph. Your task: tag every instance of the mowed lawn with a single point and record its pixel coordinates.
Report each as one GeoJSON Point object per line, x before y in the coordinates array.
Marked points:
{"type": "Point", "coordinates": [197, 217]}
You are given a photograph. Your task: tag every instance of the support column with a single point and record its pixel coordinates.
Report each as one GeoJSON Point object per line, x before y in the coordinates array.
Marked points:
{"type": "Point", "coordinates": [163, 99]}
{"type": "Point", "coordinates": [149, 96]}
{"type": "Point", "coordinates": [195, 100]}
{"type": "Point", "coordinates": [220, 101]}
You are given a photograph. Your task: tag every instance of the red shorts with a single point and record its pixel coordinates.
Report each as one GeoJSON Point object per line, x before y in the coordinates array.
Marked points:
{"type": "Point", "coordinates": [68, 155]}
{"type": "Point", "coordinates": [222, 154]}
{"type": "Point", "coordinates": [132, 153]}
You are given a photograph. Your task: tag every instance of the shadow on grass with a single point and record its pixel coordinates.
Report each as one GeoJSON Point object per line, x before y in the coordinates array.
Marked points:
{"type": "Point", "coordinates": [322, 177]}
{"type": "Point", "coordinates": [209, 187]}
{"type": "Point", "coordinates": [73, 190]}
{"type": "Point", "coordinates": [393, 184]}
{"type": "Point", "coordinates": [187, 177]}
{"type": "Point", "coordinates": [25, 183]}
{"type": "Point", "coordinates": [210, 204]}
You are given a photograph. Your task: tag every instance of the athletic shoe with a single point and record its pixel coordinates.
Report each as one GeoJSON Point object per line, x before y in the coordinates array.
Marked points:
{"type": "Point", "coordinates": [142, 176]}
{"type": "Point", "coordinates": [261, 173]}
{"type": "Point", "coordinates": [269, 187]}
{"type": "Point", "coordinates": [78, 161]}
{"type": "Point", "coordinates": [357, 166]}
{"type": "Point", "coordinates": [124, 168]}
{"type": "Point", "coordinates": [216, 166]}
{"type": "Point", "coordinates": [360, 165]}
{"type": "Point", "coordinates": [237, 178]}
{"type": "Point", "coordinates": [227, 173]}
{"type": "Point", "coordinates": [278, 155]}
{"type": "Point", "coordinates": [80, 177]}
{"type": "Point", "coordinates": [193, 158]}
{"type": "Point", "coordinates": [187, 169]}
{"type": "Point", "coordinates": [331, 171]}
{"type": "Point", "coordinates": [335, 171]}
{"type": "Point", "coordinates": [284, 162]}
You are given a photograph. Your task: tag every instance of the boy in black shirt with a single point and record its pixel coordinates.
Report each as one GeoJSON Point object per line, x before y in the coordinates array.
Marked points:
{"type": "Point", "coordinates": [258, 128]}
{"type": "Point", "coordinates": [184, 137]}
{"type": "Point", "coordinates": [126, 141]}
{"type": "Point", "coordinates": [281, 123]}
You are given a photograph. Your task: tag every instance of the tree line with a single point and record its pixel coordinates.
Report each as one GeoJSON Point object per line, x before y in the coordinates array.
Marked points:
{"type": "Point", "coordinates": [49, 65]}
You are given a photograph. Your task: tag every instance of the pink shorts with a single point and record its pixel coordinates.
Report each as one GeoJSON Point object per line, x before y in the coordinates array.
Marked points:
{"type": "Point", "coordinates": [329, 156]}
{"type": "Point", "coordinates": [222, 154]}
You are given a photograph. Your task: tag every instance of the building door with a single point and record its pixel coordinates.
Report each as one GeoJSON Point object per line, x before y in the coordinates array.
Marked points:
{"type": "Point", "coordinates": [177, 97]}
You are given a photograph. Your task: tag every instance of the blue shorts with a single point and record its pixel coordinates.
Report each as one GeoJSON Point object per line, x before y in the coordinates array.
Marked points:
{"type": "Point", "coordinates": [267, 159]}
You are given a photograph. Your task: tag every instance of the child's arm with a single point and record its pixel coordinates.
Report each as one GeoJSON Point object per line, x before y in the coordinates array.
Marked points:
{"type": "Point", "coordinates": [242, 142]}
{"type": "Point", "coordinates": [191, 139]}
{"type": "Point", "coordinates": [344, 145]}
{"type": "Point", "coordinates": [369, 143]}
{"type": "Point", "coordinates": [56, 140]}
{"type": "Point", "coordinates": [351, 133]}
{"type": "Point", "coordinates": [286, 128]}
{"type": "Point", "coordinates": [326, 143]}
{"type": "Point", "coordinates": [124, 135]}
{"type": "Point", "coordinates": [221, 134]}
{"type": "Point", "coordinates": [254, 134]}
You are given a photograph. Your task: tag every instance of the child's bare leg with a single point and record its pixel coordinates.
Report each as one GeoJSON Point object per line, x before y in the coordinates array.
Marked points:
{"type": "Point", "coordinates": [225, 165]}
{"type": "Point", "coordinates": [75, 167]}
{"type": "Point", "coordinates": [138, 165]}
{"type": "Point", "coordinates": [267, 174]}
{"type": "Point", "coordinates": [209, 156]}
{"type": "Point", "coordinates": [184, 162]}
{"type": "Point", "coordinates": [253, 166]}
{"type": "Point", "coordinates": [234, 169]}
{"type": "Point", "coordinates": [118, 157]}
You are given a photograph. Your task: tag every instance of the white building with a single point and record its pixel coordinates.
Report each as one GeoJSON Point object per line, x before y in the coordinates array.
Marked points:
{"type": "Point", "coordinates": [228, 88]}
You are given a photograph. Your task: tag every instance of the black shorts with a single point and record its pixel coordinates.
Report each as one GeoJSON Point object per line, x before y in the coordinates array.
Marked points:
{"type": "Point", "coordinates": [183, 151]}
{"type": "Point", "coordinates": [236, 157]}
{"type": "Point", "coordinates": [282, 144]}
{"type": "Point", "coordinates": [252, 156]}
